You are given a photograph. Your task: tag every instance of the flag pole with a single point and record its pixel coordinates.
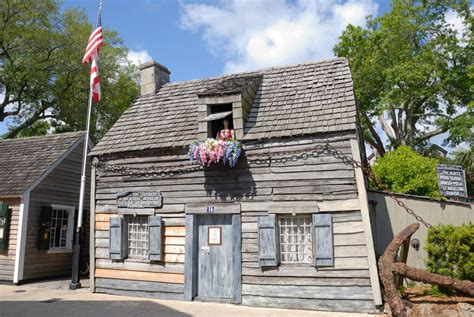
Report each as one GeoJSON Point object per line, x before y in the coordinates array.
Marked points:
{"type": "Point", "coordinates": [75, 279]}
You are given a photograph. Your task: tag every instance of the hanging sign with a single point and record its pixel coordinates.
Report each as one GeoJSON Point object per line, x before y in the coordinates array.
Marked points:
{"type": "Point", "coordinates": [133, 200]}
{"type": "Point", "coordinates": [451, 180]}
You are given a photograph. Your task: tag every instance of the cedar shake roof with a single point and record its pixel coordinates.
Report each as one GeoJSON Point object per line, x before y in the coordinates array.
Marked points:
{"type": "Point", "coordinates": [293, 100]}
{"type": "Point", "coordinates": [24, 160]}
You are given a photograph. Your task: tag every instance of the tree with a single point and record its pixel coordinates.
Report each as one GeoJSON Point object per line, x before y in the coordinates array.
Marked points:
{"type": "Point", "coordinates": [413, 74]}
{"type": "Point", "coordinates": [407, 172]}
{"type": "Point", "coordinates": [43, 83]}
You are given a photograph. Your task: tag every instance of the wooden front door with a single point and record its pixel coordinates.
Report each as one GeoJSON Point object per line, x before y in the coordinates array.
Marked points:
{"type": "Point", "coordinates": [215, 261]}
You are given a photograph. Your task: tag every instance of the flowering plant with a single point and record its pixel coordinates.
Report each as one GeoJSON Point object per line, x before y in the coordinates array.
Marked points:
{"type": "Point", "coordinates": [213, 151]}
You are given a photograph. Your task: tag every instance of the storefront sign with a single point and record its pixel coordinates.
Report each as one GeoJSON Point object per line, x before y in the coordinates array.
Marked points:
{"type": "Point", "coordinates": [451, 180]}
{"type": "Point", "coordinates": [135, 200]}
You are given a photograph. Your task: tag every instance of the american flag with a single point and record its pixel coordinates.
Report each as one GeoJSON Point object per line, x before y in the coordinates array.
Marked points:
{"type": "Point", "coordinates": [92, 55]}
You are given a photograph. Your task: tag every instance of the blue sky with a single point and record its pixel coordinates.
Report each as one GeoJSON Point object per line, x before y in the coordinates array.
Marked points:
{"type": "Point", "coordinates": [171, 34]}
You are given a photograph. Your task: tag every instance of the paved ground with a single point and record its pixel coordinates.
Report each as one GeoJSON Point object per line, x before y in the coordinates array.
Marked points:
{"type": "Point", "coordinates": [53, 298]}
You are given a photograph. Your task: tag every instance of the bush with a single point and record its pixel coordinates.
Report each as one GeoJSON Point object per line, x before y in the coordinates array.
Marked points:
{"type": "Point", "coordinates": [407, 172]}
{"type": "Point", "coordinates": [451, 251]}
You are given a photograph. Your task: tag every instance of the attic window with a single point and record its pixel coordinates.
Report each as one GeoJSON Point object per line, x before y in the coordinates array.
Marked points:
{"type": "Point", "coordinates": [219, 113]}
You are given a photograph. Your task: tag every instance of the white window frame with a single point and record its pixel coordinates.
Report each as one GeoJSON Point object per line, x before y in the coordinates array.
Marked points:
{"type": "Point", "coordinates": [132, 233]}
{"type": "Point", "coordinates": [70, 229]}
{"type": "Point", "coordinates": [300, 254]}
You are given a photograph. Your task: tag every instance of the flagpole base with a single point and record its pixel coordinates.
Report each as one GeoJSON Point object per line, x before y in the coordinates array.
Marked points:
{"type": "Point", "coordinates": [74, 286]}
{"type": "Point", "coordinates": [75, 278]}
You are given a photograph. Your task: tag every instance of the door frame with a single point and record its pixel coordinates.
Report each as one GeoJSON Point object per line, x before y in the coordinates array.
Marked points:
{"type": "Point", "coordinates": [191, 258]}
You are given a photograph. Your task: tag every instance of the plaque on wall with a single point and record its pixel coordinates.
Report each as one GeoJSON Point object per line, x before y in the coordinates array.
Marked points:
{"type": "Point", "coordinates": [139, 200]}
{"type": "Point", "coordinates": [214, 235]}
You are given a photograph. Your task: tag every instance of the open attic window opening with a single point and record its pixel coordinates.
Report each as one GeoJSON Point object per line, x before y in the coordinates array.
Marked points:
{"type": "Point", "coordinates": [216, 125]}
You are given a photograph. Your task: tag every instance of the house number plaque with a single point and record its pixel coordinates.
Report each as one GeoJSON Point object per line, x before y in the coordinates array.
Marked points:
{"type": "Point", "coordinates": [133, 200]}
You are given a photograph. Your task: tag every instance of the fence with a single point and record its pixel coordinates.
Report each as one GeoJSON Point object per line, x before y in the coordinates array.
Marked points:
{"type": "Point", "coordinates": [388, 219]}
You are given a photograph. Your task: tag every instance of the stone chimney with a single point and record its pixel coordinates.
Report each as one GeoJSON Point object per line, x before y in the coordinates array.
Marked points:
{"type": "Point", "coordinates": [152, 77]}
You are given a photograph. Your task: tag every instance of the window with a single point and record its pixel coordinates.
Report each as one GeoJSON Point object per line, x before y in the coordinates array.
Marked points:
{"type": "Point", "coordinates": [295, 239]}
{"type": "Point", "coordinates": [218, 124]}
{"type": "Point", "coordinates": [138, 236]}
{"type": "Point", "coordinates": [62, 227]}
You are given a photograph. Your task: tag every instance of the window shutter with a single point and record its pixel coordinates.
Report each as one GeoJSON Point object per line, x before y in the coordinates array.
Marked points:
{"type": "Point", "coordinates": [268, 247]}
{"type": "Point", "coordinates": [154, 238]}
{"type": "Point", "coordinates": [44, 234]}
{"type": "Point", "coordinates": [323, 246]}
{"type": "Point", "coordinates": [4, 226]}
{"type": "Point", "coordinates": [118, 245]}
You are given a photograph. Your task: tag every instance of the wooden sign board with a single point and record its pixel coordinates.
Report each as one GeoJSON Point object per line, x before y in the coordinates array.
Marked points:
{"type": "Point", "coordinates": [139, 200]}
{"type": "Point", "coordinates": [451, 180]}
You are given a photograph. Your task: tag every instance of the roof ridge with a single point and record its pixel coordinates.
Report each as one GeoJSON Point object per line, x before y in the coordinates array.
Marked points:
{"type": "Point", "coordinates": [254, 72]}
{"type": "Point", "coordinates": [63, 134]}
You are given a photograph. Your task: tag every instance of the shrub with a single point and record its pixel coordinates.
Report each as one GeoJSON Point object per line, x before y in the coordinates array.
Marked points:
{"type": "Point", "coordinates": [407, 172]}
{"type": "Point", "coordinates": [451, 251]}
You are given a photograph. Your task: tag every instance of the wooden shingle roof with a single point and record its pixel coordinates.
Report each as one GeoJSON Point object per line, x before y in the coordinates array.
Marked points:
{"type": "Point", "coordinates": [24, 160]}
{"type": "Point", "coordinates": [293, 100]}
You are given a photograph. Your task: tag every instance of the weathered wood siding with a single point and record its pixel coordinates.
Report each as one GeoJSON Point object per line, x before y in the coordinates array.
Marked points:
{"type": "Point", "coordinates": [7, 257]}
{"type": "Point", "coordinates": [388, 219]}
{"type": "Point", "coordinates": [256, 189]}
{"type": "Point", "coordinates": [61, 186]}
{"type": "Point", "coordinates": [140, 276]}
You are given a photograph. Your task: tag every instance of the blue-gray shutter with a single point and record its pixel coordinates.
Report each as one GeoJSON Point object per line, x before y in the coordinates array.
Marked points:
{"type": "Point", "coordinates": [268, 246]}
{"type": "Point", "coordinates": [323, 246]}
{"type": "Point", "coordinates": [118, 244]}
{"type": "Point", "coordinates": [154, 238]}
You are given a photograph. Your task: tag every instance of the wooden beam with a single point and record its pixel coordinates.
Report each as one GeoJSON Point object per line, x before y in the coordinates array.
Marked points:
{"type": "Point", "coordinates": [140, 276]}
{"type": "Point", "coordinates": [364, 208]}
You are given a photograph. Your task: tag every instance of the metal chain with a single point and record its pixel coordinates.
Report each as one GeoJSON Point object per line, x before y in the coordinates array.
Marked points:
{"type": "Point", "coordinates": [276, 158]}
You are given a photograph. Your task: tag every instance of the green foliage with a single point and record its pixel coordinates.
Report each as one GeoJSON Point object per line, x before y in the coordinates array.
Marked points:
{"type": "Point", "coordinates": [451, 251]}
{"type": "Point", "coordinates": [405, 171]}
{"type": "Point", "coordinates": [42, 78]}
{"type": "Point", "coordinates": [413, 73]}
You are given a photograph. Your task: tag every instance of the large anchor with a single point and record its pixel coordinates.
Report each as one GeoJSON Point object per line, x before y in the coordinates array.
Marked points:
{"type": "Point", "coordinates": [389, 267]}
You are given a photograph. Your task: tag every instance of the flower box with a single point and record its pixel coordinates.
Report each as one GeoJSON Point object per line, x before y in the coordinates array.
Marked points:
{"type": "Point", "coordinates": [213, 151]}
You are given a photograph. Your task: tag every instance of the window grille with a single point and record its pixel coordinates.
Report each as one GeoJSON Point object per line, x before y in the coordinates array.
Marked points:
{"type": "Point", "coordinates": [295, 239]}
{"type": "Point", "coordinates": [59, 228]}
{"type": "Point", "coordinates": [138, 237]}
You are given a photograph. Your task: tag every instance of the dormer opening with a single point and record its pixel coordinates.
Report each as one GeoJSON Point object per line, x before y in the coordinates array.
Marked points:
{"type": "Point", "coordinates": [221, 112]}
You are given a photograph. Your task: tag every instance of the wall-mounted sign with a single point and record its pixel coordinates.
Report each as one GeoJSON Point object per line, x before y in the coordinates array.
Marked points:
{"type": "Point", "coordinates": [214, 235]}
{"type": "Point", "coordinates": [211, 209]}
{"type": "Point", "coordinates": [451, 180]}
{"type": "Point", "coordinates": [133, 200]}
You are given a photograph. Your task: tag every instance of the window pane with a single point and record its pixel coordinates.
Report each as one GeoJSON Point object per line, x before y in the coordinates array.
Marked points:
{"type": "Point", "coordinates": [59, 228]}
{"type": "Point", "coordinates": [138, 236]}
{"type": "Point", "coordinates": [295, 239]}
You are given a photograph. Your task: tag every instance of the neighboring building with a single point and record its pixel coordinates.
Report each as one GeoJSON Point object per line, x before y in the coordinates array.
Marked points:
{"type": "Point", "coordinates": [288, 226]}
{"type": "Point", "coordinates": [436, 151]}
{"type": "Point", "coordinates": [39, 194]}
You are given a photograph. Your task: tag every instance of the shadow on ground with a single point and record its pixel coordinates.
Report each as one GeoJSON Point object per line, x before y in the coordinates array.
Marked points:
{"type": "Point", "coordinates": [70, 308]}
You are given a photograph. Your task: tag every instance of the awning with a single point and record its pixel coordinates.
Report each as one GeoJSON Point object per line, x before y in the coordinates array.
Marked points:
{"type": "Point", "coordinates": [217, 116]}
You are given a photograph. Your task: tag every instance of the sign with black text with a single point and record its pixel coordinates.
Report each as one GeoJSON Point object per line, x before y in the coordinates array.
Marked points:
{"type": "Point", "coordinates": [451, 180]}
{"type": "Point", "coordinates": [139, 200]}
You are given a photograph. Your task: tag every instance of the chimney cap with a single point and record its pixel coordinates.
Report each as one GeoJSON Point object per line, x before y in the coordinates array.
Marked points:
{"type": "Point", "coordinates": [153, 63]}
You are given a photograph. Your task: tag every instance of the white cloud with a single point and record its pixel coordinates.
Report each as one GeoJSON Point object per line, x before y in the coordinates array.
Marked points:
{"type": "Point", "coordinates": [138, 57]}
{"type": "Point", "coordinates": [255, 34]}
{"type": "Point", "coordinates": [457, 24]}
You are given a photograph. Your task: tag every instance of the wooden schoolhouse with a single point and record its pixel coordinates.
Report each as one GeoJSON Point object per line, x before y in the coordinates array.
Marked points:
{"type": "Point", "coordinates": [39, 195]}
{"type": "Point", "coordinates": [263, 216]}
